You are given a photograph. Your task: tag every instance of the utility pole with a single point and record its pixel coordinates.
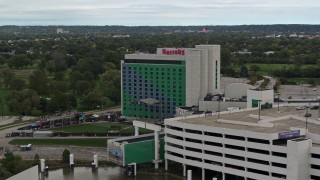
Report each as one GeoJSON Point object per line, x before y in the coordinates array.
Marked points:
{"type": "Point", "coordinates": [278, 101]}
{"type": "Point", "coordinates": [259, 108]}
{"type": "Point", "coordinates": [307, 118]}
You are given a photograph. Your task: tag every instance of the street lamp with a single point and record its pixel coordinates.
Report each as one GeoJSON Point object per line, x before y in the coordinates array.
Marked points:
{"type": "Point", "coordinates": [219, 99]}
{"type": "Point", "coordinates": [278, 101]}
{"type": "Point", "coordinates": [259, 108]}
{"type": "Point", "coordinates": [319, 109]}
{"type": "Point", "coordinates": [307, 115]}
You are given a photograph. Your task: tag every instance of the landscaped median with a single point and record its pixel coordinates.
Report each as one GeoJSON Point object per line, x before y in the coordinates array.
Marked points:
{"type": "Point", "coordinates": [85, 142]}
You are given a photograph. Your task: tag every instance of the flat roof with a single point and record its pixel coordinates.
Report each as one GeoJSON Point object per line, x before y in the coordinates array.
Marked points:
{"type": "Point", "coordinates": [250, 117]}
{"type": "Point", "coordinates": [140, 138]}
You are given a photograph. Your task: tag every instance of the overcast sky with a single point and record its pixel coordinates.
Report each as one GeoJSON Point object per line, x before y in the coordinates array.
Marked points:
{"type": "Point", "coordinates": [156, 12]}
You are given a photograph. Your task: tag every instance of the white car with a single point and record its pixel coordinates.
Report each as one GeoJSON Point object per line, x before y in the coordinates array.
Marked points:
{"type": "Point", "coordinates": [300, 108]}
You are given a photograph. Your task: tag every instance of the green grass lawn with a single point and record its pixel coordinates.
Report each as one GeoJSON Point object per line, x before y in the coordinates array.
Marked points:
{"type": "Point", "coordinates": [268, 69]}
{"type": "Point", "coordinates": [85, 142]}
{"type": "Point", "coordinates": [304, 80]}
{"type": "Point", "coordinates": [98, 127]}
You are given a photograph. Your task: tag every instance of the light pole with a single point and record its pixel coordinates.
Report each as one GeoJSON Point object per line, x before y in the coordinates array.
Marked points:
{"type": "Point", "coordinates": [307, 117]}
{"type": "Point", "coordinates": [319, 109]}
{"type": "Point", "coordinates": [259, 108]}
{"type": "Point", "coordinates": [219, 99]}
{"type": "Point", "coordinates": [278, 101]}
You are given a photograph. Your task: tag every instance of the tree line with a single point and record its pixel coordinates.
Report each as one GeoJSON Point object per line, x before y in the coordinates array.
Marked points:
{"type": "Point", "coordinates": [63, 72]}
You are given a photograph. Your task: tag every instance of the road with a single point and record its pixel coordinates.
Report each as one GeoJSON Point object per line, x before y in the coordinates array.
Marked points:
{"type": "Point", "coordinates": [52, 152]}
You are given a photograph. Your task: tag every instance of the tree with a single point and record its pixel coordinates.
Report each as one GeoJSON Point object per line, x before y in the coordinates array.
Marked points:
{"type": "Point", "coordinates": [38, 81]}
{"type": "Point", "coordinates": [244, 71]}
{"type": "Point", "coordinates": [91, 100]}
{"type": "Point", "coordinates": [59, 60]}
{"type": "Point", "coordinates": [253, 80]}
{"type": "Point", "coordinates": [66, 156]}
{"type": "Point", "coordinates": [83, 87]}
{"type": "Point", "coordinates": [17, 84]}
{"type": "Point", "coordinates": [111, 83]}
{"type": "Point", "coordinates": [254, 68]}
{"type": "Point", "coordinates": [19, 61]}
{"type": "Point", "coordinates": [2, 60]}
{"type": "Point", "coordinates": [13, 163]}
{"type": "Point", "coordinates": [8, 75]}
{"type": "Point", "coordinates": [23, 102]}
{"type": "Point", "coordinates": [58, 102]}
{"type": "Point", "coordinates": [58, 86]}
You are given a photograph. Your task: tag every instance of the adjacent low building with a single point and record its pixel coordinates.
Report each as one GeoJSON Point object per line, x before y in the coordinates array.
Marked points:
{"type": "Point", "coordinates": [247, 144]}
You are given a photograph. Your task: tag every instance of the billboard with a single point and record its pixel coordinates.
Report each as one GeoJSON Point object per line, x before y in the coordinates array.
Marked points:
{"type": "Point", "coordinates": [288, 134]}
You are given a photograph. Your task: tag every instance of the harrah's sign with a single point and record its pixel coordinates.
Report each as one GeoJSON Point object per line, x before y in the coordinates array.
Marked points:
{"type": "Point", "coordinates": [173, 51]}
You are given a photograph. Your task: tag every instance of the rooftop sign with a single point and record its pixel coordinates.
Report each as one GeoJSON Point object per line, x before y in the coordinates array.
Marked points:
{"type": "Point", "coordinates": [173, 51]}
{"type": "Point", "coordinates": [288, 134]}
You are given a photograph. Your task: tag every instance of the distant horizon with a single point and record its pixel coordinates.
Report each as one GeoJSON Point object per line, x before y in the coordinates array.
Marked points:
{"type": "Point", "coordinates": [158, 13]}
{"type": "Point", "coordinates": [162, 25]}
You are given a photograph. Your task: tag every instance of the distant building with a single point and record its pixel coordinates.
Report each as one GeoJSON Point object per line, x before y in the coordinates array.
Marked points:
{"type": "Point", "coordinates": [268, 53]}
{"type": "Point", "coordinates": [62, 31]}
{"type": "Point", "coordinates": [174, 76]}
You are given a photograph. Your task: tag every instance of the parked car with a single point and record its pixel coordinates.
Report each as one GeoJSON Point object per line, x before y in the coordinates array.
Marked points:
{"type": "Point", "coordinates": [308, 115]}
{"type": "Point", "coordinates": [314, 107]}
{"type": "Point", "coordinates": [300, 108]}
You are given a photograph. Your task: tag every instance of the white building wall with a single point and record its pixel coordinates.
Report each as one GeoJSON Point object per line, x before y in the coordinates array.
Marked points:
{"type": "Point", "coordinates": [214, 105]}
{"type": "Point", "coordinates": [266, 96]}
{"type": "Point", "coordinates": [204, 73]}
{"type": "Point", "coordinates": [298, 159]}
{"type": "Point", "coordinates": [237, 90]}
{"type": "Point", "coordinates": [193, 59]}
{"type": "Point", "coordinates": [295, 158]}
{"type": "Point", "coordinates": [213, 57]}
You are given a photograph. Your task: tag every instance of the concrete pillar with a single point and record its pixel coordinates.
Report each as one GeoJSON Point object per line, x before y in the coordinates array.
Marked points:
{"type": "Point", "coordinates": [203, 174]}
{"type": "Point", "coordinates": [189, 175]}
{"type": "Point", "coordinates": [156, 149]}
{"type": "Point", "coordinates": [166, 164]}
{"type": "Point", "coordinates": [71, 160]}
{"type": "Point", "coordinates": [223, 176]}
{"type": "Point", "coordinates": [136, 131]}
{"type": "Point", "coordinates": [42, 165]}
{"type": "Point", "coordinates": [184, 170]}
{"type": "Point", "coordinates": [214, 178]}
{"type": "Point", "coordinates": [95, 160]}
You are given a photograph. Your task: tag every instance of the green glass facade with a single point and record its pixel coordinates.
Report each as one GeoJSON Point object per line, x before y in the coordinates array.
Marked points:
{"type": "Point", "coordinates": [161, 81]}
{"type": "Point", "coordinates": [142, 152]}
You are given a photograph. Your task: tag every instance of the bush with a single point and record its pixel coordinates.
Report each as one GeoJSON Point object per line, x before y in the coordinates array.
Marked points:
{"type": "Point", "coordinates": [65, 156]}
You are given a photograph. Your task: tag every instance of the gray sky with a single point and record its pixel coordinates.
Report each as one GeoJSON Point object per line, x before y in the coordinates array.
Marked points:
{"type": "Point", "coordinates": [155, 12]}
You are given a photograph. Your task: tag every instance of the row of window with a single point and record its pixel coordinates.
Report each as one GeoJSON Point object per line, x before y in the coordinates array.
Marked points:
{"type": "Point", "coordinates": [126, 74]}
{"type": "Point", "coordinates": [262, 172]}
{"type": "Point", "coordinates": [163, 85]}
{"type": "Point", "coordinates": [227, 136]}
{"type": "Point", "coordinates": [253, 150]}
{"type": "Point", "coordinates": [134, 90]}
{"type": "Point", "coordinates": [152, 69]}
{"type": "Point", "coordinates": [174, 99]}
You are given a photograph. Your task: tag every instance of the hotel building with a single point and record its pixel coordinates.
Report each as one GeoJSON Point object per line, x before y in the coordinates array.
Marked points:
{"type": "Point", "coordinates": [173, 76]}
